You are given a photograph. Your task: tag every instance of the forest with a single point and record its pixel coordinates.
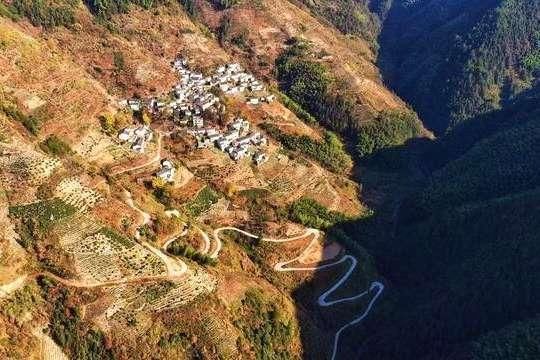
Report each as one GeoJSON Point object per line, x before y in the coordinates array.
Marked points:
{"type": "Point", "coordinates": [308, 83]}
{"type": "Point", "coordinates": [461, 254]}
{"type": "Point", "coordinates": [462, 58]}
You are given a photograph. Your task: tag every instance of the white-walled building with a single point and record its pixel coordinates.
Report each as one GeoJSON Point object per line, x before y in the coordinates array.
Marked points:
{"type": "Point", "coordinates": [167, 171]}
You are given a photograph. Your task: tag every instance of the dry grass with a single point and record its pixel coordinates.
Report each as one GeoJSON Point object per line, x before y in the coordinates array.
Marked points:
{"type": "Point", "coordinates": [37, 72]}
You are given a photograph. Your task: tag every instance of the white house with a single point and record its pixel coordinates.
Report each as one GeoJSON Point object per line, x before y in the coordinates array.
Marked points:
{"type": "Point", "coordinates": [231, 135]}
{"type": "Point", "coordinates": [223, 144]}
{"type": "Point", "coordinates": [167, 171]}
{"type": "Point", "coordinates": [198, 122]}
{"type": "Point", "coordinates": [260, 158]}
{"type": "Point", "coordinates": [126, 134]}
{"type": "Point", "coordinates": [239, 153]}
{"type": "Point", "coordinates": [215, 137]}
{"type": "Point", "coordinates": [253, 101]}
{"type": "Point", "coordinates": [239, 125]}
{"type": "Point", "coordinates": [134, 104]}
{"type": "Point", "coordinates": [139, 145]}
{"type": "Point", "coordinates": [203, 143]}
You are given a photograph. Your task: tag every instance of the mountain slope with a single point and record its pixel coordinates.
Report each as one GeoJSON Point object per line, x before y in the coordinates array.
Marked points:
{"type": "Point", "coordinates": [455, 60]}
{"type": "Point", "coordinates": [461, 257]}
{"type": "Point", "coordinates": [84, 252]}
{"type": "Point", "coordinates": [259, 32]}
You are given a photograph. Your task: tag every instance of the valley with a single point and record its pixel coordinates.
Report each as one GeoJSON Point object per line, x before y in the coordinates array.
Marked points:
{"type": "Point", "coordinates": [269, 179]}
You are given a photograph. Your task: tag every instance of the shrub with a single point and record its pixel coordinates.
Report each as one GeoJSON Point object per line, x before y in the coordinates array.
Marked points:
{"type": "Point", "coordinates": [104, 9]}
{"type": "Point", "coordinates": [191, 7]}
{"type": "Point", "coordinates": [20, 303]}
{"type": "Point", "coordinates": [532, 61]}
{"type": "Point", "coordinates": [181, 249]}
{"type": "Point", "coordinates": [116, 237]}
{"type": "Point", "coordinates": [44, 213]}
{"type": "Point", "coordinates": [225, 4]}
{"type": "Point", "coordinates": [265, 327]}
{"type": "Point", "coordinates": [205, 198]}
{"type": "Point", "coordinates": [45, 13]}
{"type": "Point", "coordinates": [310, 213]}
{"type": "Point", "coordinates": [55, 146]}
{"type": "Point", "coordinates": [391, 128]}
{"type": "Point", "coordinates": [297, 109]}
{"type": "Point", "coordinates": [32, 123]}
{"type": "Point", "coordinates": [112, 123]}
{"type": "Point", "coordinates": [330, 152]}
{"type": "Point", "coordinates": [9, 11]}
{"type": "Point", "coordinates": [118, 61]}
{"type": "Point", "coordinates": [69, 331]}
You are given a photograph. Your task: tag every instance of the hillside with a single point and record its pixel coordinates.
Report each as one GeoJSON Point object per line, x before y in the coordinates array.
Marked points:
{"type": "Point", "coordinates": [334, 78]}
{"type": "Point", "coordinates": [460, 252]}
{"type": "Point", "coordinates": [103, 258]}
{"type": "Point", "coordinates": [461, 58]}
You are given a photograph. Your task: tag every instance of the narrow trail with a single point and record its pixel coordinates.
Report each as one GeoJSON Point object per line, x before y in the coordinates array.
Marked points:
{"type": "Point", "coordinates": [204, 247]}
{"type": "Point", "coordinates": [173, 239]}
{"type": "Point", "coordinates": [323, 300]}
{"type": "Point", "coordinates": [206, 243]}
{"type": "Point", "coordinates": [176, 268]}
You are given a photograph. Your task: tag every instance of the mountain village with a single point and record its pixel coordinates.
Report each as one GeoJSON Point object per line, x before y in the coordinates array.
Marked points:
{"type": "Point", "coordinates": [187, 104]}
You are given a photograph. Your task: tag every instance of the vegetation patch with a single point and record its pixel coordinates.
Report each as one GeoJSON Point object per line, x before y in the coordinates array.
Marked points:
{"type": "Point", "coordinates": [349, 16]}
{"type": "Point", "coordinates": [253, 247]}
{"type": "Point", "coordinates": [154, 292]}
{"type": "Point", "coordinates": [204, 200]}
{"type": "Point", "coordinates": [20, 303]}
{"type": "Point", "coordinates": [191, 7]}
{"type": "Point", "coordinates": [532, 61]}
{"type": "Point", "coordinates": [43, 213]}
{"type": "Point", "coordinates": [310, 213]}
{"type": "Point", "coordinates": [296, 109]}
{"type": "Point", "coordinates": [31, 122]}
{"type": "Point", "coordinates": [113, 123]}
{"type": "Point", "coordinates": [104, 9]}
{"type": "Point", "coordinates": [179, 248]}
{"type": "Point", "coordinates": [265, 327]}
{"type": "Point", "coordinates": [391, 128]}
{"type": "Point", "coordinates": [46, 13]}
{"type": "Point", "coordinates": [330, 152]}
{"type": "Point", "coordinates": [225, 4]}
{"type": "Point", "coordinates": [116, 237]}
{"type": "Point", "coordinates": [67, 328]}
{"type": "Point", "coordinates": [53, 145]}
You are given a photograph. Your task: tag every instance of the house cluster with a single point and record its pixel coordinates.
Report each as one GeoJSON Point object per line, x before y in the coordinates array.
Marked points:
{"type": "Point", "coordinates": [138, 137]}
{"type": "Point", "coordinates": [166, 171]}
{"type": "Point", "coordinates": [195, 93]}
{"type": "Point", "coordinates": [237, 141]}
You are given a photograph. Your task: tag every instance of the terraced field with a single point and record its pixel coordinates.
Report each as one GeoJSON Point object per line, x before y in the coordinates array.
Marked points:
{"type": "Point", "coordinates": [76, 194]}
{"type": "Point", "coordinates": [103, 257]}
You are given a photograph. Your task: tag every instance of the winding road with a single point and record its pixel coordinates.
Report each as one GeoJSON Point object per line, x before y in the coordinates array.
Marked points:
{"type": "Point", "coordinates": [323, 300]}
{"type": "Point", "coordinates": [175, 266]}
